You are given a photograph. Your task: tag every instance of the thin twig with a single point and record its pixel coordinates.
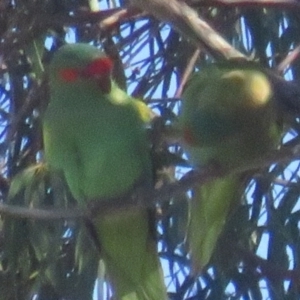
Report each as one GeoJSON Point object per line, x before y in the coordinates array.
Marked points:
{"type": "Point", "coordinates": [188, 71]}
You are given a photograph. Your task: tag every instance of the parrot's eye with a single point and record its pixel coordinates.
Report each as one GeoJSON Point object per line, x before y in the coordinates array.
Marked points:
{"type": "Point", "coordinates": [69, 74]}
{"type": "Point", "coordinates": [100, 66]}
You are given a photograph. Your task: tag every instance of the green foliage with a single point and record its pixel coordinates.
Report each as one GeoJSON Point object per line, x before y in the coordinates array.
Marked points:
{"type": "Point", "coordinates": [51, 256]}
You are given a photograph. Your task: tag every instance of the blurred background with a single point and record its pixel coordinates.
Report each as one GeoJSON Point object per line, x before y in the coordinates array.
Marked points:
{"type": "Point", "coordinates": [155, 46]}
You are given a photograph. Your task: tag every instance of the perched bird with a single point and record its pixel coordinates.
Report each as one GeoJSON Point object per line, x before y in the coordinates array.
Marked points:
{"type": "Point", "coordinates": [95, 134]}
{"type": "Point", "coordinates": [228, 119]}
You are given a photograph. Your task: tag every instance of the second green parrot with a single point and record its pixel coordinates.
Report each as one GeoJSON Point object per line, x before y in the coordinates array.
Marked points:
{"type": "Point", "coordinates": [95, 134]}
{"type": "Point", "coordinates": [228, 119]}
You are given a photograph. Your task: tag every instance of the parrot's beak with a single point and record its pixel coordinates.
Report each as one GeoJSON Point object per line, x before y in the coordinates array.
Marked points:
{"type": "Point", "coordinates": [100, 70]}
{"type": "Point", "coordinates": [188, 136]}
{"type": "Point", "coordinates": [104, 82]}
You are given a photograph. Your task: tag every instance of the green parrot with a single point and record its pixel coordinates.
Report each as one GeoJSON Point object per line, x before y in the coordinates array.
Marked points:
{"type": "Point", "coordinates": [228, 119]}
{"type": "Point", "coordinates": [96, 135]}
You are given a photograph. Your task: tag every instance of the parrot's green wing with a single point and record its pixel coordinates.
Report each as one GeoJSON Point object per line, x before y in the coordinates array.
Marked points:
{"type": "Point", "coordinates": [228, 118]}
{"type": "Point", "coordinates": [95, 133]}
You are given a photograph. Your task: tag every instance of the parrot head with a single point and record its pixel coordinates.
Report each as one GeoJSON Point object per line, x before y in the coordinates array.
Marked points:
{"type": "Point", "coordinates": [251, 89]}
{"type": "Point", "coordinates": [75, 63]}
{"type": "Point", "coordinates": [213, 111]}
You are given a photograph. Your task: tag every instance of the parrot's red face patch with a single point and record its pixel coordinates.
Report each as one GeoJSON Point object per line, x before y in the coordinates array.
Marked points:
{"type": "Point", "coordinates": [99, 70]}
{"type": "Point", "coordinates": [99, 67]}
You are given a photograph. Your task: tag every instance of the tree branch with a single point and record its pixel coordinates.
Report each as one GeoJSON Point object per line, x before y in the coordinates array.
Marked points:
{"type": "Point", "coordinates": [188, 23]}
{"type": "Point", "coordinates": [132, 200]}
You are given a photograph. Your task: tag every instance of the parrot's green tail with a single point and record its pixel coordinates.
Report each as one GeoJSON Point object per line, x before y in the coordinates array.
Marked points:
{"type": "Point", "coordinates": [210, 206]}
{"type": "Point", "coordinates": [130, 256]}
